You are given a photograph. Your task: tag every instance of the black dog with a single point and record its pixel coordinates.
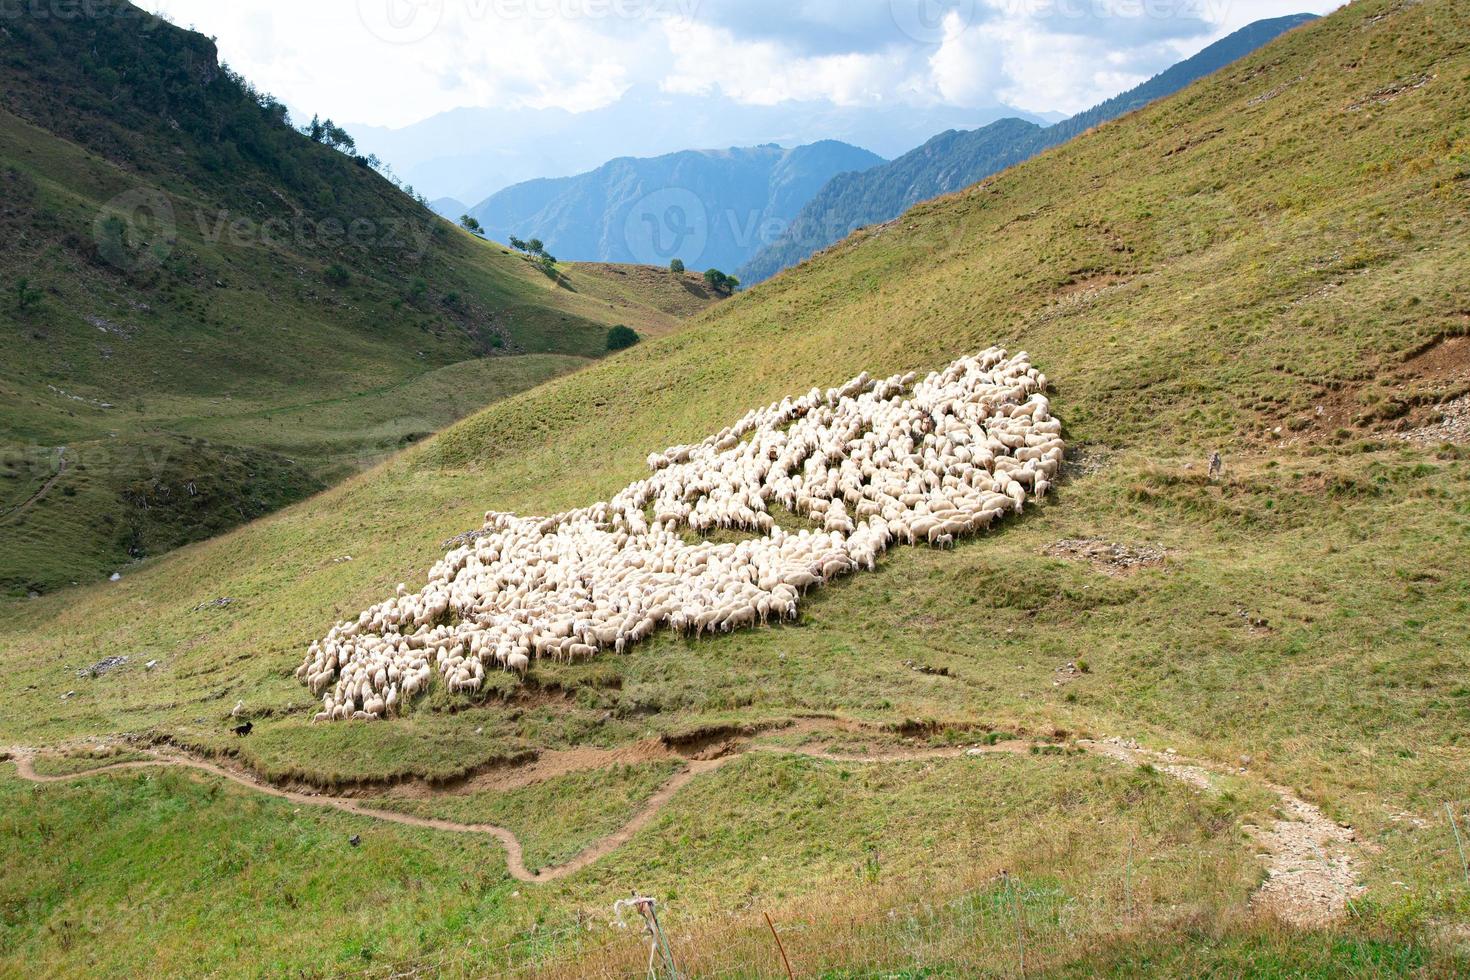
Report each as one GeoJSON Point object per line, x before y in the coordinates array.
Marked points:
{"type": "Point", "coordinates": [243, 730]}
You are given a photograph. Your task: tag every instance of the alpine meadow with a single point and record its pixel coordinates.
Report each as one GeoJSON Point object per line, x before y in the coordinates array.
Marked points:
{"type": "Point", "coordinates": [1067, 577]}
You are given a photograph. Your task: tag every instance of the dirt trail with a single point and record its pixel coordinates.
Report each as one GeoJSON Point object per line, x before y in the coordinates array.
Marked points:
{"type": "Point", "coordinates": [1308, 858]}
{"type": "Point", "coordinates": [36, 497]}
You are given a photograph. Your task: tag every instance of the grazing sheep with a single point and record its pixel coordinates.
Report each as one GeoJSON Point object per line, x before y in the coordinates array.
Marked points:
{"type": "Point", "coordinates": [866, 464]}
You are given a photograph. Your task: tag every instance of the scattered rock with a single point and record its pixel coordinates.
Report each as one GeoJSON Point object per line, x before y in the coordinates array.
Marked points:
{"type": "Point", "coordinates": [926, 669]}
{"type": "Point", "coordinates": [468, 537]}
{"type": "Point", "coordinates": [1068, 672]}
{"type": "Point", "coordinates": [1453, 426]}
{"type": "Point", "coordinates": [1107, 556]}
{"type": "Point", "coordinates": [115, 577]}
{"type": "Point", "coordinates": [107, 326]}
{"type": "Point", "coordinates": [219, 603]}
{"type": "Point", "coordinates": [1082, 461]}
{"type": "Point", "coordinates": [150, 665]}
{"type": "Point", "coordinates": [1257, 625]}
{"type": "Point", "coordinates": [101, 667]}
{"type": "Point", "coordinates": [1386, 95]}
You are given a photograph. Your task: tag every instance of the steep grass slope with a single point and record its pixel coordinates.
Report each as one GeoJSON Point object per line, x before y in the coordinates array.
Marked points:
{"type": "Point", "coordinates": [956, 159]}
{"type": "Point", "coordinates": [190, 286]}
{"type": "Point", "coordinates": [1271, 264]}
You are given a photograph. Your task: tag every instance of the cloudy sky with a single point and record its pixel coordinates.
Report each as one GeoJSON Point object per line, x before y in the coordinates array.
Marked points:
{"type": "Point", "coordinates": [394, 62]}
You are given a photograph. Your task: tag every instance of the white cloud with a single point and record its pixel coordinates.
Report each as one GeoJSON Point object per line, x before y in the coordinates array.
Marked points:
{"type": "Point", "coordinates": [968, 67]}
{"type": "Point", "coordinates": [391, 62]}
{"type": "Point", "coordinates": [707, 59]}
{"type": "Point", "coordinates": [1058, 72]}
{"type": "Point", "coordinates": [327, 56]}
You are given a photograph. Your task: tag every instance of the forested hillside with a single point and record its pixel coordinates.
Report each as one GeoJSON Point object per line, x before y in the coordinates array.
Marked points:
{"type": "Point", "coordinates": [208, 314]}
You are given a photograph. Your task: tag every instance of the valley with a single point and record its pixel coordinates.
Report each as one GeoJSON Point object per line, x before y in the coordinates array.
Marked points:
{"type": "Point", "coordinates": [252, 353]}
{"type": "Point", "coordinates": [1199, 710]}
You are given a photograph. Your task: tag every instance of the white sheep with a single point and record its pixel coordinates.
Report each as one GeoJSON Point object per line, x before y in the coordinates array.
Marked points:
{"type": "Point", "coordinates": [867, 464]}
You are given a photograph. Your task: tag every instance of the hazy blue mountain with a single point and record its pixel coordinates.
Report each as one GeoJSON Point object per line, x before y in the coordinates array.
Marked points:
{"type": "Point", "coordinates": [710, 208]}
{"type": "Point", "coordinates": [954, 160]}
{"type": "Point", "coordinates": [449, 207]}
{"type": "Point", "coordinates": [470, 154]}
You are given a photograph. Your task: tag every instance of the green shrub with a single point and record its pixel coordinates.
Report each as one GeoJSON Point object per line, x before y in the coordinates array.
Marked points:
{"type": "Point", "coordinates": [26, 296]}
{"type": "Point", "coordinates": [621, 337]}
{"type": "Point", "coordinates": [721, 283]}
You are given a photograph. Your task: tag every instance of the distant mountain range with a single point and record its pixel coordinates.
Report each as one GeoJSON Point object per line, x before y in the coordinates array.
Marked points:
{"type": "Point", "coordinates": [470, 153]}
{"type": "Point", "coordinates": [708, 208]}
{"type": "Point", "coordinates": [954, 160]}
{"type": "Point", "coordinates": [449, 207]}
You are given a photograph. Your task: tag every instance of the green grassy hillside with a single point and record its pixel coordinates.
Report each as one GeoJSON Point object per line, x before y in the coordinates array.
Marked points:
{"type": "Point", "coordinates": [1270, 264]}
{"type": "Point", "coordinates": [180, 265]}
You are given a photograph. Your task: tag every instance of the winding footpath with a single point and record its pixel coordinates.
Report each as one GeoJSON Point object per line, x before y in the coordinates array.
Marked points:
{"type": "Point", "coordinates": [19, 510]}
{"type": "Point", "coordinates": [1309, 859]}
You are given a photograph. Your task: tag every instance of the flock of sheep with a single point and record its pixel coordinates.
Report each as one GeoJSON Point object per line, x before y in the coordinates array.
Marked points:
{"type": "Point", "coordinates": [866, 465]}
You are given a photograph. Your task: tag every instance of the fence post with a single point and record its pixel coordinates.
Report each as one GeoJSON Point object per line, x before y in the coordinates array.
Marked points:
{"type": "Point", "coordinates": [1128, 878]}
{"type": "Point", "coordinates": [1020, 923]}
{"type": "Point", "coordinates": [1459, 844]}
{"type": "Point", "coordinates": [658, 944]}
{"type": "Point", "coordinates": [780, 946]}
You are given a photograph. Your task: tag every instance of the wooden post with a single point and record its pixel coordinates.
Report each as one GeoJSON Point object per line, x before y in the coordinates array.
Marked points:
{"type": "Point", "coordinates": [780, 946]}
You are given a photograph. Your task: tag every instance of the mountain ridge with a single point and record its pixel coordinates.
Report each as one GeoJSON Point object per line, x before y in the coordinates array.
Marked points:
{"type": "Point", "coordinates": [495, 148]}
{"type": "Point", "coordinates": [955, 159]}
{"type": "Point", "coordinates": [708, 208]}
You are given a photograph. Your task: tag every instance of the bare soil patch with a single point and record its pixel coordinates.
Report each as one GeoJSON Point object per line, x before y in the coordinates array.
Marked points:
{"type": "Point", "coordinates": [1110, 557]}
